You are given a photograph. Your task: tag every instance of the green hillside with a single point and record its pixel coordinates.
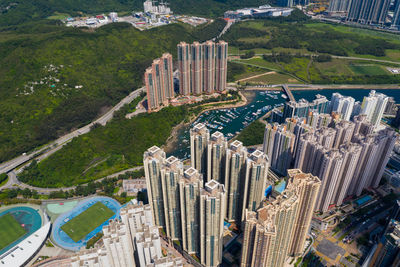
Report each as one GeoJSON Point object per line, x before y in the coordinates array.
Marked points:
{"type": "Point", "coordinates": [54, 79]}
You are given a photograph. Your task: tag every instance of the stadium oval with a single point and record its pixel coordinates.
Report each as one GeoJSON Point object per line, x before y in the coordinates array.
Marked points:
{"type": "Point", "coordinates": [72, 230]}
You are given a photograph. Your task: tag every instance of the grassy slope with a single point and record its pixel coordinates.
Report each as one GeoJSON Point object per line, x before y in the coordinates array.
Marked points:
{"type": "Point", "coordinates": [10, 230]}
{"type": "Point", "coordinates": [105, 150]}
{"type": "Point", "coordinates": [252, 134]}
{"type": "Point", "coordinates": [81, 225]}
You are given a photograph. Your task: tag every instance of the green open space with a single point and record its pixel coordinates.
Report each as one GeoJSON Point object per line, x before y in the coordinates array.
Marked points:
{"type": "Point", "coordinates": [253, 134]}
{"type": "Point", "coordinates": [59, 16]}
{"type": "Point", "coordinates": [298, 34]}
{"type": "Point", "coordinates": [299, 69]}
{"type": "Point", "coordinates": [10, 230]}
{"type": "Point", "coordinates": [368, 70]}
{"type": "Point", "coordinates": [81, 225]}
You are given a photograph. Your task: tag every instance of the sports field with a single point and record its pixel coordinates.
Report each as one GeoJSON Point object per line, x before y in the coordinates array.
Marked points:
{"type": "Point", "coordinates": [10, 230]}
{"type": "Point", "coordinates": [81, 225]}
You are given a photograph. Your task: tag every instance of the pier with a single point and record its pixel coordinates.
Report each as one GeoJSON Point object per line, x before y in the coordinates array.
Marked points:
{"type": "Point", "coordinates": [287, 91]}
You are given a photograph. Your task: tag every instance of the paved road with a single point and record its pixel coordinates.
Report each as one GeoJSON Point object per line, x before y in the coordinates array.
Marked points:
{"type": "Point", "coordinates": [49, 149]}
{"type": "Point", "coordinates": [13, 182]}
{"type": "Point", "coordinates": [256, 76]}
{"type": "Point", "coordinates": [227, 26]}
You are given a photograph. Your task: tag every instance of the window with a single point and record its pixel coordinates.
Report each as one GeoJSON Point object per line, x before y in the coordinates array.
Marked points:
{"type": "Point", "coordinates": [212, 249]}
{"type": "Point", "coordinates": [213, 206]}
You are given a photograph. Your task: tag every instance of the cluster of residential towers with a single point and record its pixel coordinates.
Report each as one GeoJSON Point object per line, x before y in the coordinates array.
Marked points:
{"type": "Point", "coordinates": [225, 182]}
{"type": "Point", "coordinates": [202, 69]}
{"type": "Point", "coordinates": [325, 157]}
{"type": "Point", "coordinates": [348, 156]}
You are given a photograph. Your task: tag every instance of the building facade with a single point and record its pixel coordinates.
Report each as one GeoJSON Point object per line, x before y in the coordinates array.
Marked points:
{"type": "Point", "coordinates": [374, 106]}
{"type": "Point", "coordinates": [153, 161]}
{"type": "Point", "coordinates": [171, 174]}
{"type": "Point", "coordinates": [190, 186]}
{"type": "Point", "coordinates": [159, 82]}
{"type": "Point", "coordinates": [342, 105]}
{"type": "Point", "coordinates": [368, 11]}
{"type": "Point", "coordinates": [216, 152]}
{"type": "Point", "coordinates": [235, 173]}
{"type": "Point", "coordinates": [202, 67]}
{"type": "Point", "coordinates": [212, 208]}
{"type": "Point", "coordinates": [279, 146]}
{"type": "Point", "coordinates": [307, 188]}
{"type": "Point", "coordinates": [256, 181]}
{"type": "Point", "coordinates": [199, 137]}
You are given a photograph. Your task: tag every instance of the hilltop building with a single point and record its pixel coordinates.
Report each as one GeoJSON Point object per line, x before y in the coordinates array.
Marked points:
{"type": "Point", "coordinates": [261, 11]}
{"type": "Point", "coordinates": [161, 9]}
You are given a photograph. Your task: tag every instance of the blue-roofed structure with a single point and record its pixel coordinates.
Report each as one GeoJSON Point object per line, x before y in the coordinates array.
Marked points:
{"type": "Point", "coordinates": [268, 191]}
{"type": "Point", "coordinates": [363, 200]}
{"type": "Point", "coordinates": [280, 187]}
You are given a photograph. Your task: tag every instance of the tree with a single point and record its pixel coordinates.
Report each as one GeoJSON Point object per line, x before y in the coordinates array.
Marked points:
{"type": "Point", "coordinates": [26, 193]}
{"type": "Point", "coordinates": [3, 177]}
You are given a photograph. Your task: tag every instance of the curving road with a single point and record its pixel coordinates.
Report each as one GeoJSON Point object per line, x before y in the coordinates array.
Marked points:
{"type": "Point", "coordinates": [49, 149]}
{"type": "Point", "coordinates": [13, 182]}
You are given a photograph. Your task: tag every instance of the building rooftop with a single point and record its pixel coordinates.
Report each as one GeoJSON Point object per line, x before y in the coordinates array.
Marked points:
{"type": "Point", "coordinates": [21, 253]}
{"type": "Point", "coordinates": [154, 149]}
{"type": "Point", "coordinates": [171, 160]}
{"type": "Point", "coordinates": [217, 135]}
{"type": "Point", "coordinates": [190, 172]}
{"type": "Point", "coordinates": [199, 126]}
{"type": "Point", "coordinates": [257, 156]}
{"type": "Point", "coordinates": [213, 187]}
{"type": "Point", "coordinates": [235, 145]}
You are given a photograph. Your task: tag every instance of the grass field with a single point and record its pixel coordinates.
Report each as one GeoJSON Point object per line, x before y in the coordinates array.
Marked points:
{"type": "Point", "coordinates": [81, 225]}
{"type": "Point", "coordinates": [368, 70]}
{"type": "Point", "coordinates": [10, 230]}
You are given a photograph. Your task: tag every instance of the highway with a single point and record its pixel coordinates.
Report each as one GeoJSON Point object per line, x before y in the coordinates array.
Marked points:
{"type": "Point", "coordinates": [52, 147]}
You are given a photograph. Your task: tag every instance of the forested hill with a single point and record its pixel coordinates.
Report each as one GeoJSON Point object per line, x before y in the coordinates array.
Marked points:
{"type": "Point", "coordinates": [14, 12]}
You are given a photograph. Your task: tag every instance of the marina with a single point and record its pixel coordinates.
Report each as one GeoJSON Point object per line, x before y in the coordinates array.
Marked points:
{"type": "Point", "coordinates": [233, 120]}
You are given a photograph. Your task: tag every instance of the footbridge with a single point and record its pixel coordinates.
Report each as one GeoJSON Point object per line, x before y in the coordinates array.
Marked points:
{"type": "Point", "coordinates": [287, 91]}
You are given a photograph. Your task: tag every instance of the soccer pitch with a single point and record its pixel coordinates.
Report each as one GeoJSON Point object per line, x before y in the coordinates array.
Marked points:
{"type": "Point", "coordinates": [10, 230]}
{"type": "Point", "coordinates": [81, 225]}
